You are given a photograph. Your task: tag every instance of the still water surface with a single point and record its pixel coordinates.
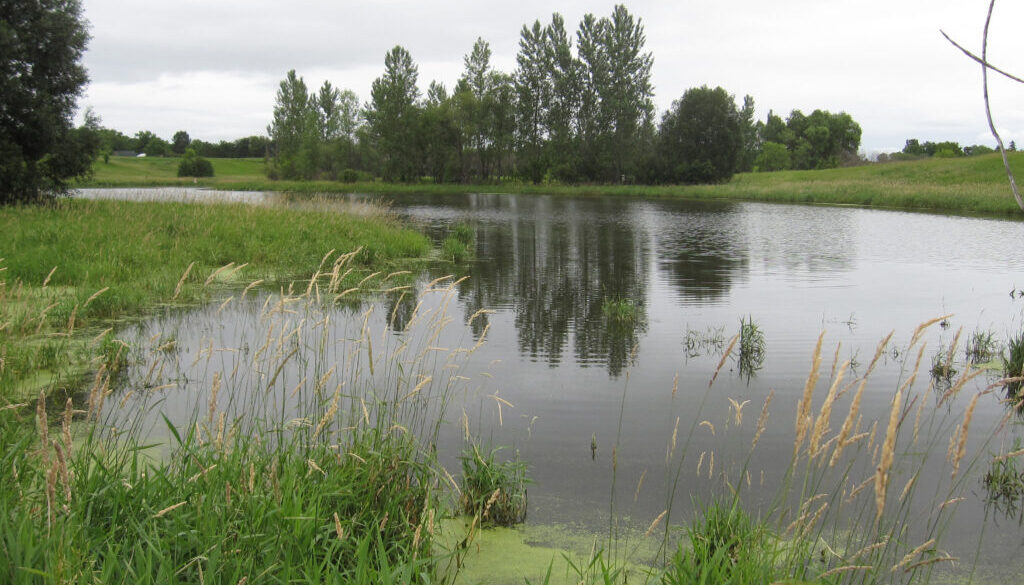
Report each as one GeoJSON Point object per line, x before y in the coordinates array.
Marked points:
{"type": "Point", "coordinates": [545, 265]}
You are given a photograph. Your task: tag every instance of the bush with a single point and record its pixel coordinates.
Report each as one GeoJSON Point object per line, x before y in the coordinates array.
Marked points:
{"type": "Point", "coordinates": [192, 165]}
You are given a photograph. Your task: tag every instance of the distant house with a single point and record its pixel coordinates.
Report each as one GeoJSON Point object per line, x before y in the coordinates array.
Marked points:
{"type": "Point", "coordinates": [130, 153]}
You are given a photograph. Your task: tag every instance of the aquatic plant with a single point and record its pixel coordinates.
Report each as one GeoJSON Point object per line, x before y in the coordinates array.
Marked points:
{"type": "Point", "coordinates": [1004, 483]}
{"type": "Point", "coordinates": [493, 491]}
{"type": "Point", "coordinates": [620, 311]}
{"type": "Point", "coordinates": [751, 347]}
{"type": "Point", "coordinates": [981, 347]}
{"type": "Point", "coordinates": [703, 342]}
{"type": "Point", "coordinates": [943, 371]}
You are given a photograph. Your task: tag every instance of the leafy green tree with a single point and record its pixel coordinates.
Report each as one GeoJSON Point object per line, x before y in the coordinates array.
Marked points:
{"type": "Point", "coordinates": [41, 77]}
{"type": "Point", "coordinates": [627, 97]}
{"type": "Point", "coordinates": [563, 110]}
{"type": "Point", "coordinates": [773, 157]}
{"type": "Point", "coordinates": [700, 137]}
{"type": "Point", "coordinates": [392, 116]}
{"type": "Point", "coordinates": [533, 86]}
{"type": "Point", "coordinates": [180, 141]}
{"type": "Point", "coordinates": [292, 126]}
{"type": "Point", "coordinates": [193, 165]}
{"type": "Point", "coordinates": [751, 143]}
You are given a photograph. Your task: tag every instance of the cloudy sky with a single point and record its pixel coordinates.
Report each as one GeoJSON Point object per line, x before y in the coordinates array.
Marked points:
{"type": "Point", "coordinates": [211, 67]}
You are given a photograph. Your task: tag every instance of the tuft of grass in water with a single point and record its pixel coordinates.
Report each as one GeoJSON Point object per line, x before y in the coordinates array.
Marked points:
{"type": "Point", "coordinates": [1004, 483]}
{"type": "Point", "coordinates": [981, 347]}
{"type": "Point", "coordinates": [622, 311]}
{"type": "Point", "coordinates": [464, 233]}
{"type": "Point", "coordinates": [710, 340]}
{"type": "Point", "coordinates": [725, 546]}
{"type": "Point", "coordinates": [1013, 366]}
{"type": "Point", "coordinates": [458, 245]}
{"type": "Point", "coordinates": [493, 491]}
{"type": "Point", "coordinates": [942, 370]}
{"type": "Point", "coordinates": [751, 347]}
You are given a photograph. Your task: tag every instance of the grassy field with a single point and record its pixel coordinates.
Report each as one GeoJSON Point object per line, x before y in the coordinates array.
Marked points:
{"type": "Point", "coordinates": [974, 185]}
{"type": "Point", "coordinates": [78, 265]}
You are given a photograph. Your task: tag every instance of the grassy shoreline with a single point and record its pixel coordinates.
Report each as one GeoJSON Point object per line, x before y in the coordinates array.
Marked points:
{"type": "Point", "coordinates": [970, 186]}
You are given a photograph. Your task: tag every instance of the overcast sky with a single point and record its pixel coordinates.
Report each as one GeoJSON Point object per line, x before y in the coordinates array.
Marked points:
{"type": "Point", "coordinates": [212, 67]}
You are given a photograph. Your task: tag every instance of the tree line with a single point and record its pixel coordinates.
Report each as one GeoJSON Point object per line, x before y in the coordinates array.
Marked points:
{"type": "Point", "coordinates": [146, 142]}
{"type": "Point", "coordinates": [577, 108]}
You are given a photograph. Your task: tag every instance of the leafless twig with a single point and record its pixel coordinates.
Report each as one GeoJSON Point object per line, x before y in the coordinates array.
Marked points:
{"type": "Point", "coordinates": [985, 66]}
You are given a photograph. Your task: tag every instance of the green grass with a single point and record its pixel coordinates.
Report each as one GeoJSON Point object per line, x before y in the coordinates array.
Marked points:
{"type": "Point", "coordinates": [751, 347]}
{"type": "Point", "coordinates": [970, 185]}
{"type": "Point", "coordinates": [620, 311]}
{"type": "Point", "coordinates": [493, 491]}
{"type": "Point", "coordinates": [78, 264]}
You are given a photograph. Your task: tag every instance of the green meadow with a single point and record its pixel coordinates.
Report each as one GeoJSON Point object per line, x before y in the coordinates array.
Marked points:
{"type": "Point", "coordinates": [967, 185]}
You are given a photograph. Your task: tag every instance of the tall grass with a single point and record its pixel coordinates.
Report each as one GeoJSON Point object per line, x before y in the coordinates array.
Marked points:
{"type": "Point", "coordinates": [78, 264]}
{"type": "Point", "coordinates": [309, 461]}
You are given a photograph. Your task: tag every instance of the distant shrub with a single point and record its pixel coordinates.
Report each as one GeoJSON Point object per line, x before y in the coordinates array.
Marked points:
{"type": "Point", "coordinates": [192, 165]}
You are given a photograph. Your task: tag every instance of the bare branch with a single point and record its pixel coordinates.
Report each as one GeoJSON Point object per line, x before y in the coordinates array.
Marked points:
{"type": "Point", "coordinates": [980, 60]}
{"type": "Point", "coordinates": [985, 66]}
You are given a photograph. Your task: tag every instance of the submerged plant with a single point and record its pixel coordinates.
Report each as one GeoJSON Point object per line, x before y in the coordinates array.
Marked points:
{"type": "Point", "coordinates": [942, 370]}
{"type": "Point", "coordinates": [704, 342]}
{"type": "Point", "coordinates": [494, 491]}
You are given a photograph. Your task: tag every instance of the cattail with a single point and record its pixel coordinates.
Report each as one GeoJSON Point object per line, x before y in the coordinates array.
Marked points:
{"type": "Point", "coordinates": [962, 445]}
{"type": "Point", "coordinates": [847, 428]}
{"type": "Point", "coordinates": [803, 409]}
{"type": "Point", "coordinates": [888, 450]}
{"type": "Point", "coordinates": [762, 420]}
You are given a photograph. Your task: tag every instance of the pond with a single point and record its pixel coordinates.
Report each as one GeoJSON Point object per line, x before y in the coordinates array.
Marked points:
{"type": "Point", "coordinates": [595, 404]}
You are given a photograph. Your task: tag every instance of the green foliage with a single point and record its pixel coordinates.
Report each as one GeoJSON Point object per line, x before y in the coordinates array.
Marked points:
{"type": "Point", "coordinates": [773, 157]}
{"type": "Point", "coordinates": [1013, 365]}
{"type": "Point", "coordinates": [982, 346]}
{"type": "Point", "coordinates": [1004, 483]}
{"type": "Point", "coordinates": [493, 490]}
{"type": "Point", "coordinates": [392, 116]}
{"type": "Point", "coordinates": [41, 77]}
{"type": "Point", "coordinates": [455, 250]}
{"type": "Point", "coordinates": [725, 546]}
{"type": "Point", "coordinates": [700, 138]}
{"type": "Point", "coordinates": [621, 311]}
{"type": "Point", "coordinates": [192, 165]}
{"type": "Point", "coordinates": [821, 140]}
{"type": "Point", "coordinates": [751, 347]}
{"type": "Point", "coordinates": [942, 369]}
{"type": "Point", "coordinates": [180, 142]}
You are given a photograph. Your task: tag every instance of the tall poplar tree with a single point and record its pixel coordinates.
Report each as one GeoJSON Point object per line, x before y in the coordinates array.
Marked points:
{"type": "Point", "coordinates": [392, 115]}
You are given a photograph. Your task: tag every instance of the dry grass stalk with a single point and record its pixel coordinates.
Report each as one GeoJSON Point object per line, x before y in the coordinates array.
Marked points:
{"type": "Point", "coordinates": [888, 451]}
{"type": "Point", "coordinates": [821, 426]}
{"type": "Point", "coordinates": [654, 524]}
{"type": "Point", "coordinates": [1010, 455]}
{"type": "Point", "coordinates": [251, 286]}
{"type": "Point", "coordinates": [416, 389]}
{"type": "Point", "coordinates": [707, 423]}
{"type": "Point", "coordinates": [213, 398]}
{"type": "Point", "coordinates": [803, 409]}
{"type": "Point", "coordinates": [847, 428]}
{"type": "Point", "coordinates": [62, 468]}
{"type": "Point", "coordinates": [738, 410]}
{"type": "Point", "coordinates": [725, 356]}
{"type": "Point", "coordinates": [639, 484]}
{"type": "Point", "coordinates": [950, 502]}
{"type": "Point", "coordinates": [961, 447]}
{"type": "Point", "coordinates": [312, 466]}
{"type": "Point", "coordinates": [181, 281]}
{"type": "Point", "coordinates": [966, 377]}
{"type": "Point", "coordinates": [871, 548]}
{"type": "Point", "coordinates": [214, 274]}
{"type": "Point", "coordinates": [845, 569]}
{"type": "Point", "coordinates": [329, 414]}
{"type": "Point", "coordinates": [700, 462]}
{"type": "Point", "coordinates": [169, 509]}
{"type": "Point", "coordinates": [920, 328]}
{"type": "Point", "coordinates": [44, 428]}
{"type": "Point", "coordinates": [906, 488]}
{"type": "Point", "coordinates": [762, 420]}
{"type": "Point", "coordinates": [338, 530]}
{"type": "Point", "coordinates": [926, 562]}
{"type": "Point", "coordinates": [672, 449]}
{"type": "Point", "coordinates": [66, 425]}
{"type": "Point", "coordinates": [912, 555]}
{"type": "Point", "coordinates": [46, 280]}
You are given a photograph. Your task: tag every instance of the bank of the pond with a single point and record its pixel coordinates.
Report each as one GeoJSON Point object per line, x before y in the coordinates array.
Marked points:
{"type": "Point", "coordinates": [72, 269]}
{"type": "Point", "coordinates": [971, 185]}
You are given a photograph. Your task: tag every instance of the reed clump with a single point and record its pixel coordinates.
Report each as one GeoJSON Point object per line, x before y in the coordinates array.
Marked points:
{"type": "Point", "coordinates": [493, 490]}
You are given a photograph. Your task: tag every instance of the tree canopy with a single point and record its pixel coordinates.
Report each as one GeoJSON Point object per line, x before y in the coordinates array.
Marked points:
{"type": "Point", "coordinates": [41, 78]}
